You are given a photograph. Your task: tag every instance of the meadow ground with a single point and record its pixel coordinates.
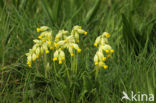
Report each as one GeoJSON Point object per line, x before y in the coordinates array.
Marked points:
{"type": "Point", "coordinates": [132, 67]}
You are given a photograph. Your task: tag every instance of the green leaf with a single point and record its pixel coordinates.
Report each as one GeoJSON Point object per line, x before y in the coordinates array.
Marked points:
{"type": "Point", "coordinates": [92, 12]}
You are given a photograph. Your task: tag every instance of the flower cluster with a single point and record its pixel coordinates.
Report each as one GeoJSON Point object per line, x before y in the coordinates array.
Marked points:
{"type": "Point", "coordinates": [41, 45]}
{"type": "Point", "coordinates": [104, 50]}
{"type": "Point", "coordinates": [76, 31]}
{"type": "Point", "coordinates": [62, 40]}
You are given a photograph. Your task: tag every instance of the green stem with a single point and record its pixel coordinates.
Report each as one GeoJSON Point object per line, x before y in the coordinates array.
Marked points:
{"type": "Point", "coordinates": [73, 95]}
{"type": "Point", "coordinates": [55, 68]}
{"type": "Point", "coordinates": [74, 69]}
{"type": "Point", "coordinates": [67, 70]}
{"type": "Point", "coordinates": [76, 61]}
{"type": "Point", "coordinates": [96, 72]}
{"type": "Point", "coordinates": [45, 65]}
{"type": "Point", "coordinates": [71, 64]}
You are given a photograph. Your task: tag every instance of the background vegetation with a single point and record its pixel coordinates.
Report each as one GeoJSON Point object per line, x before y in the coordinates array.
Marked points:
{"type": "Point", "coordinates": [131, 23]}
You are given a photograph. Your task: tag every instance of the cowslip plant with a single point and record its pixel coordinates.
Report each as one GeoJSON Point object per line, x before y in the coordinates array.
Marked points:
{"type": "Point", "coordinates": [46, 42]}
{"type": "Point", "coordinates": [69, 41]}
{"type": "Point", "coordinates": [57, 46]}
{"type": "Point", "coordinates": [42, 44]}
{"type": "Point", "coordinates": [104, 51]}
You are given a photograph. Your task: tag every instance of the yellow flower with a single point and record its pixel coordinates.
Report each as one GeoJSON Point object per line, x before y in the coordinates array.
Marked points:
{"type": "Point", "coordinates": [37, 51]}
{"type": "Point", "coordinates": [29, 65]}
{"type": "Point", "coordinates": [112, 51]}
{"type": "Point", "coordinates": [96, 58]}
{"type": "Point", "coordinates": [43, 28]}
{"type": "Point", "coordinates": [72, 46]}
{"type": "Point", "coordinates": [47, 51]}
{"type": "Point", "coordinates": [55, 59]}
{"type": "Point", "coordinates": [34, 60]}
{"type": "Point", "coordinates": [57, 38]}
{"type": "Point", "coordinates": [78, 50]}
{"type": "Point", "coordinates": [85, 33]}
{"type": "Point", "coordinates": [48, 37]}
{"type": "Point", "coordinates": [37, 56]}
{"type": "Point", "coordinates": [96, 63]}
{"type": "Point", "coordinates": [60, 61]}
{"type": "Point", "coordinates": [43, 40]}
{"type": "Point", "coordinates": [98, 40]}
{"type": "Point", "coordinates": [71, 54]}
{"type": "Point", "coordinates": [49, 42]}
{"type": "Point", "coordinates": [103, 46]}
{"type": "Point", "coordinates": [105, 66]}
{"type": "Point", "coordinates": [34, 57]}
{"type": "Point", "coordinates": [95, 44]}
{"type": "Point", "coordinates": [55, 44]}
{"type": "Point", "coordinates": [101, 63]}
{"type": "Point", "coordinates": [104, 58]}
{"type": "Point", "coordinates": [40, 37]}
{"type": "Point", "coordinates": [107, 35]}
{"type": "Point", "coordinates": [107, 51]}
{"type": "Point", "coordinates": [63, 58]}
{"type": "Point", "coordinates": [38, 29]}
{"type": "Point", "coordinates": [51, 48]}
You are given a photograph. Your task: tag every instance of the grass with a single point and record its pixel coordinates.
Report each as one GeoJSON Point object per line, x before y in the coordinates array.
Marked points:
{"type": "Point", "coordinates": [131, 23]}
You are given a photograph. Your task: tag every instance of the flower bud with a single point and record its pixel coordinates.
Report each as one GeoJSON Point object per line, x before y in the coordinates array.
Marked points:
{"type": "Point", "coordinates": [42, 28]}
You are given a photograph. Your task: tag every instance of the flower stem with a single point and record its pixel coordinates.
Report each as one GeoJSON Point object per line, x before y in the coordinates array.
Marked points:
{"type": "Point", "coordinates": [67, 70]}
{"type": "Point", "coordinates": [45, 65]}
{"type": "Point", "coordinates": [96, 72]}
{"type": "Point", "coordinates": [76, 62]}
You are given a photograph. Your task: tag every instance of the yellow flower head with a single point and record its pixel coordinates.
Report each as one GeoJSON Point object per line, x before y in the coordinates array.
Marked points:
{"type": "Point", "coordinates": [51, 48]}
{"type": "Point", "coordinates": [63, 58]}
{"type": "Point", "coordinates": [105, 66]}
{"type": "Point", "coordinates": [29, 65]}
{"type": "Point", "coordinates": [85, 33]}
{"type": "Point", "coordinates": [107, 35]}
{"type": "Point", "coordinates": [40, 37]}
{"type": "Point", "coordinates": [47, 51]}
{"type": "Point", "coordinates": [38, 29]}
{"type": "Point", "coordinates": [112, 51]}
{"type": "Point", "coordinates": [72, 54]}
{"type": "Point", "coordinates": [78, 50]}
{"type": "Point", "coordinates": [60, 61]}
{"type": "Point", "coordinates": [49, 42]}
{"type": "Point", "coordinates": [103, 46]}
{"type": "Point", "coordinates": [96, 63]}
{"type": "Point", "coordinates": [34, 57]}
{"type": "Point", "coordinates": [107, 51]}
{"type": "Point", "coordinates": [104, 58]}
{"type": "Point", "coordinates": [55, 44]}
{"type": "Point", "coordinates": [46, 42]}
{"type": "Point", "coordinates": [42, 28]}
{"type": "Point", "coordinates": [37, 56]}
{"type": "Point", "coordinates": [55, 59]}
{"type": "Point", "coordinates": [95, 44]}
{"type": "Point", "coordinates": [57, 38]}
{"type": "Point", "coordinates": [43, 40]}
{"type": "Point", "coordinates": [101, 63]}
